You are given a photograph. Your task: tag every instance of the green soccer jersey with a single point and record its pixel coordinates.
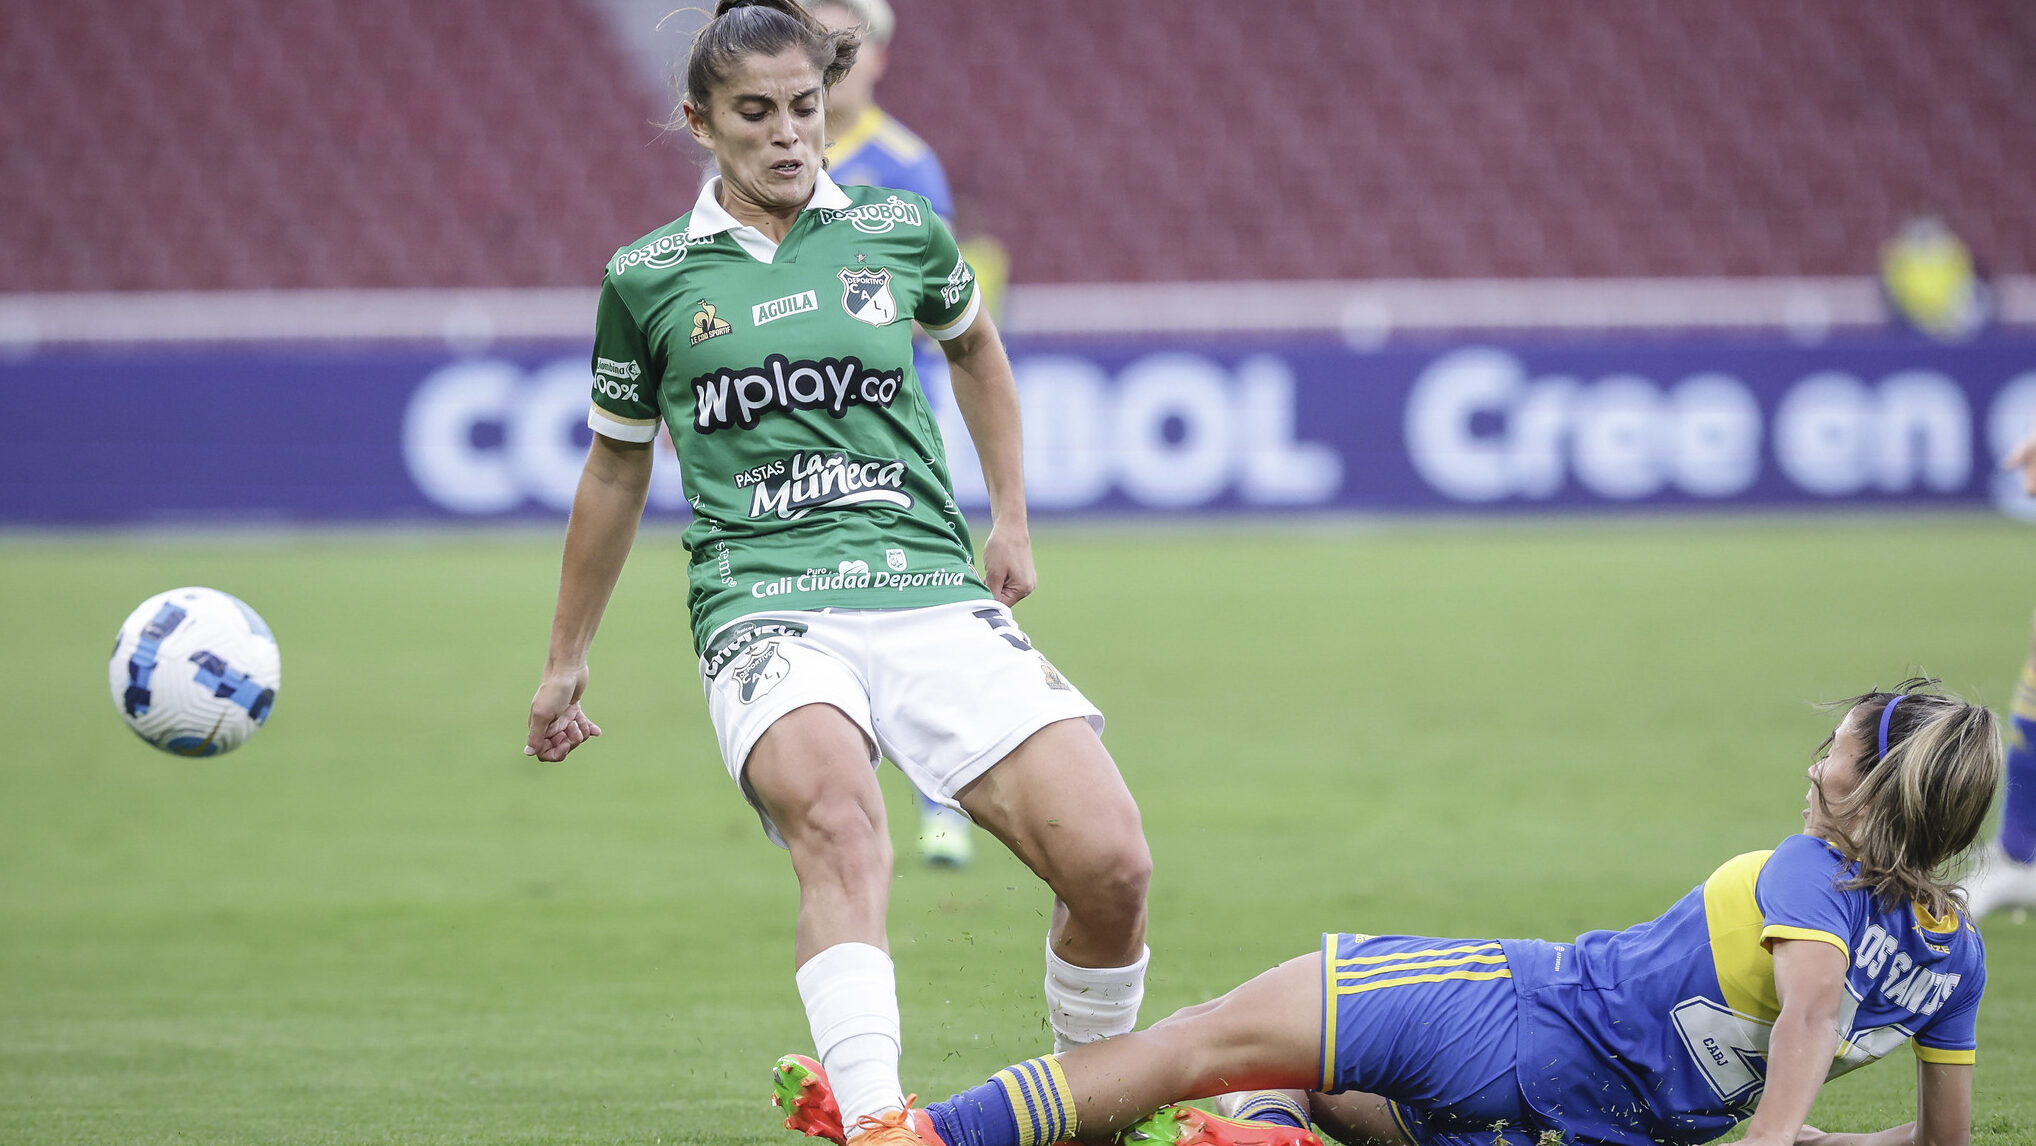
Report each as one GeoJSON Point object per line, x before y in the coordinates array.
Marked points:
{"type": "Point", "coordinates": [813, 464]}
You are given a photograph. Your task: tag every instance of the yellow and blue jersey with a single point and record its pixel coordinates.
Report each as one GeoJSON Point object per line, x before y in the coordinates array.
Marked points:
{"type": "Point", "coordinates": [878, 151]}
{"type": "Point", "coordinates": [1654, 1034]}
{"type": "Point", "coordinates": [1674, 1015]}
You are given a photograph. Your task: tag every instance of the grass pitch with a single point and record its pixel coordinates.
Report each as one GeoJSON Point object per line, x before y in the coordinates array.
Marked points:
{"type": "Point", "coordinates": [380, 923]}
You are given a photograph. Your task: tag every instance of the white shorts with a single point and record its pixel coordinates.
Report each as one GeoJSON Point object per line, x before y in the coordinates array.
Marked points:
{"type": "Point", "coordinates": [944, 691]}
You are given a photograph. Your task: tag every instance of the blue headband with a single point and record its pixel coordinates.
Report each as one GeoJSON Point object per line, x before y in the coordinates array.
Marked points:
{"type": "Point", "coordinates": [1887, 714]}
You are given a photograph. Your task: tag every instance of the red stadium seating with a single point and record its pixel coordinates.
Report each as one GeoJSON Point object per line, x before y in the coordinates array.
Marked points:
{"type": "Point", "coordinates": [213, 144]}
{"type": "Point", "coordinates": [1162, 139]}
{"type": "Point", "coordinates": [234, 143]}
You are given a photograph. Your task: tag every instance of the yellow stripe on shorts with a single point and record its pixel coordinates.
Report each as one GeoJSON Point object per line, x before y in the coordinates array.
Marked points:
{"type": "Point", "coordinates": [1465, 950]}
{"type": "Point", "coordinates": [1471, 961]}
{"type": "Point", "coordinates": [1328, 1014]}
{"type": "Point", "coordinates": [1360, 988]}
{"type": "Point", "coordinates": [1353, 974]}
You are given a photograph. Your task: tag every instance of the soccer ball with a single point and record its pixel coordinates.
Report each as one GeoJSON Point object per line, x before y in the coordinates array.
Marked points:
{"type": "Point", "coordinates": [195, 672]}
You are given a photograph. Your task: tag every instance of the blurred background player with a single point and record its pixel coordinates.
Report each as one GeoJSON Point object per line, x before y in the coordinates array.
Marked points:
{"type": "Point", "coordinates": [1933, 282]}
{"type": "Point", "coordinates": [2006, 874]}
{"type": "Point", "coordinates": [868, 148]}
{"type": "Point", "coordinates": [865, 146]}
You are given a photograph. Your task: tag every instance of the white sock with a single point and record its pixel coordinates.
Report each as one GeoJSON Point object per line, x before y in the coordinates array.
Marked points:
{"type": "Point", "coordinates": [1085, 1004]}
{"type": "Point", "coordinates": [851, 996]}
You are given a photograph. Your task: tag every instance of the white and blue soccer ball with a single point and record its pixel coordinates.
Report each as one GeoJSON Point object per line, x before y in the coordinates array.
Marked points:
{"type": "Point", "coordinates": [195, 672]}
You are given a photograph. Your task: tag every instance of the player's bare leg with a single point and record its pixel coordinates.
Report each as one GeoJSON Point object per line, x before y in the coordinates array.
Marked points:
{"type": "Point", "coordinates": [811, 772]}
{"type": "Point", "coordinates": [1265, 1034]}
{"type": "Point", "coordinates": [1058, 802]}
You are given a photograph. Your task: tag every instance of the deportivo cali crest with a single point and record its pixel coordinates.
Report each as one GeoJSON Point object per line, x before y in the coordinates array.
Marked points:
{"type": "Point", "coordinates": [866, 295]}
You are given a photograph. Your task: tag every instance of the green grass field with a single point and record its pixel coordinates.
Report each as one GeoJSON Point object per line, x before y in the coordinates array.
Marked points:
{"type": "Point", "coordinates": [380, 923]}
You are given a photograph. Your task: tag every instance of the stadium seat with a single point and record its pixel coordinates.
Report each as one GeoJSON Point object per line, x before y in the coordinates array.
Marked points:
{"type": "Point", "coordinates": [232, 143]}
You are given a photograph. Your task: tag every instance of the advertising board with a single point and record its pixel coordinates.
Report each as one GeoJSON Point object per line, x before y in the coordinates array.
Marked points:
{"type": "Point", "coordinates": [371, 433]}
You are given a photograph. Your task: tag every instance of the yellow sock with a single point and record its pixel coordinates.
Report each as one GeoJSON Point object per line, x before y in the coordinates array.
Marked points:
{"type": "Point", "coordinates": [1041, 1099]}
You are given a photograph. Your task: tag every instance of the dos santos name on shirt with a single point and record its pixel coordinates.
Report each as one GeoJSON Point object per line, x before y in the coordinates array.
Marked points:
{"type": "Point", "coordinates": [1906, 985]}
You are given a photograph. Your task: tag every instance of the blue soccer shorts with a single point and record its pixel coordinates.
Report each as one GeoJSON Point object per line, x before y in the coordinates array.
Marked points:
{"type": "Point", "coordinates": [1432, 1025]}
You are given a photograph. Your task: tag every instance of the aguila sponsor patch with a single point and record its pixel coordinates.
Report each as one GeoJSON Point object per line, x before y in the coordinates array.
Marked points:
{"type": "Point", "coordinates": [786, 307]}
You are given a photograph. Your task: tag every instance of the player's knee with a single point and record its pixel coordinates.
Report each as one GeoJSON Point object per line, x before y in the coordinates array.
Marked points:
{"type": "Point", "coordinates": [1112, 885]}
{"type": "Point", "coordinates": [1244, 1048]}
{"type": "Point", "coordinates": [1217, 1047]}
{"type": "Point", "coordinates": [1186, 1014]}
{"type": "Point", "coordinates": [839, 831]}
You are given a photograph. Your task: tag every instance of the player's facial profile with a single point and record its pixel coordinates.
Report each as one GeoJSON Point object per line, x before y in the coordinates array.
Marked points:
{"type": "Point", "coordinates": [1835, 774]}
{"type": "Point", "coordinates": [766, 128]}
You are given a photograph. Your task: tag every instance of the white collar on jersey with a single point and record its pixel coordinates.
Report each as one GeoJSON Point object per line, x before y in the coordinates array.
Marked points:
{"type": "Point", "coordinates": [710, 218]}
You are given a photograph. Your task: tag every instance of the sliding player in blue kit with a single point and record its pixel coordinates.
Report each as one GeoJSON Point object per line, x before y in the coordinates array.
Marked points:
{"type": "Point", "coordinates": [1784, 969]}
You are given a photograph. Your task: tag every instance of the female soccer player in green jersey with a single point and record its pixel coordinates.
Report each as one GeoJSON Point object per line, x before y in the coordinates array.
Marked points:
{"type": "Point", "coordinates": [836, 605]}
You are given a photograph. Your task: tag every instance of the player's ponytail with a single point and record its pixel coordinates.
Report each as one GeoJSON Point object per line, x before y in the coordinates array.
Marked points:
{"type": "Point", "coordinates": [1929, 764]}
{"type": "Point", "coordinates": [743, 28]}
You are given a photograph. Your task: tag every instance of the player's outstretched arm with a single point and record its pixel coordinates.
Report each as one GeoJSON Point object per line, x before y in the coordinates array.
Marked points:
{"type": "Point", "coordinates": [606, 510]}
{"type": "Point", "coordinates": [987, 394]}
{"type": "Point", "coordinates": [1943, 1113]}
{"type": "Point", "coordinates": [1809, 979]}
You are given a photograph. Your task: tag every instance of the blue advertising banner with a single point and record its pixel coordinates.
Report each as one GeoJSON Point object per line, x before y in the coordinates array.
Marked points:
{"type": "Point", "coordinates": [381, 433]}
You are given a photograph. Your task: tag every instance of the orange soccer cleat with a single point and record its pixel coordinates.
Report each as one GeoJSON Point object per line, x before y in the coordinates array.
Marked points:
{"type": "Point", "coordinates": [907, 1127]}
{"type": "Point", "coordinates": [799, 1088]}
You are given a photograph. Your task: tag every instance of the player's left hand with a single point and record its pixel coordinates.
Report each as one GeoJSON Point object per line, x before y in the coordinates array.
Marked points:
{"type": "Point", "coordinates": [557, 726]}
{"type": "Point", "coordinates": [1007, 564]}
